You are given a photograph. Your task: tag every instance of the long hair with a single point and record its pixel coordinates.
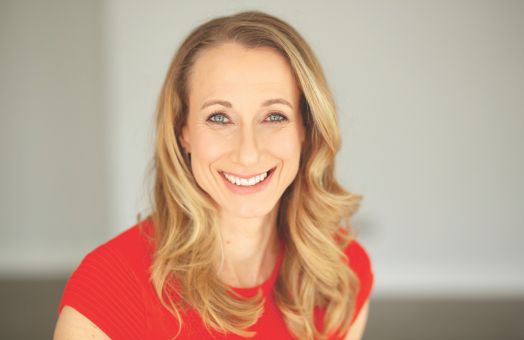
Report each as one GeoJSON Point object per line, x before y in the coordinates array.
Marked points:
{"type": "Point", "coordinates": [314, 273]}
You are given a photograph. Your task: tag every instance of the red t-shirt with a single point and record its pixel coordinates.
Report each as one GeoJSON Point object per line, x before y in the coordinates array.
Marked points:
{"type": "Point", "coordinates": [112, 288]}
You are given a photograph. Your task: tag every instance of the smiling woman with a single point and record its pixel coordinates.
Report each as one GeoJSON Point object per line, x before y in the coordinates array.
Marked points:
{"type": "Point", "coordinates": [245, 238]}
{"type": "Point", "coordinates": [244, 134]}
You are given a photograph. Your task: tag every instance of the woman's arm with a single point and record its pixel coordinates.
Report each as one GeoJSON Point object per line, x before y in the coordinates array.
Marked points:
{"type": "Point", "coordinates": [72, 325]}
{"type": "Point", "coordinates": [357, 328]}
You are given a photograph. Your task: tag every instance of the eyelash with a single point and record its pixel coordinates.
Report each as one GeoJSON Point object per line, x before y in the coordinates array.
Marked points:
{"type": "Point", "coordinates": [281, 118]}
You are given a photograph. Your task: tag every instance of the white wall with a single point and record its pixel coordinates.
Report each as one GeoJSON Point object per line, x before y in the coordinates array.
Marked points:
{"type": "Point", "coordinates": [430, 101]}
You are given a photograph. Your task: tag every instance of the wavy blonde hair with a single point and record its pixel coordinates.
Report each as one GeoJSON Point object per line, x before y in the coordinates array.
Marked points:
{"type": "Point", "coordinates": [314, 272]}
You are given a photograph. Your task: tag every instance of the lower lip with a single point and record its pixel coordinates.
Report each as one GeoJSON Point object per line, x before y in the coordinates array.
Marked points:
{"type": "Point", "coordinates": [237, 189]}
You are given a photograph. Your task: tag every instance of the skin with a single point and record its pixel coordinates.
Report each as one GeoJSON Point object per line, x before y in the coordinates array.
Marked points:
{"type": "Point", "coordinates": [245, 139]}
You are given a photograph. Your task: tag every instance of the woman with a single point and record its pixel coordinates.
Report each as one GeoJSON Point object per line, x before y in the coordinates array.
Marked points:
{"type": "Point", "coordinates": [244, 239]}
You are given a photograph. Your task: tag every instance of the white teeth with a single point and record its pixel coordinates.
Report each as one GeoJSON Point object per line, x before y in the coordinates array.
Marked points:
{"type": "Point", "coordinates": [245, 182]}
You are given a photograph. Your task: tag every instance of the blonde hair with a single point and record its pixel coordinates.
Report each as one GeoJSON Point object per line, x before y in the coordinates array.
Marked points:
{"type": "Point", "coordinates": [314, 272]}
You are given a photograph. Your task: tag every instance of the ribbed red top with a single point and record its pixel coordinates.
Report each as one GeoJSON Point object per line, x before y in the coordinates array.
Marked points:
{"type": "Point", "coordinates": [112, 288]}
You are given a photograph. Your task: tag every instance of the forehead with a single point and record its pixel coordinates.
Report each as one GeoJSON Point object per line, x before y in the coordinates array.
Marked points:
{"type": "Point", "coordinates": [230, 70]}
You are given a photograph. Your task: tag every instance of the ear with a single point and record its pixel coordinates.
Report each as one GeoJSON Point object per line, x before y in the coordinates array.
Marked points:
{"type": "Point", "coordinates": [184, 139]}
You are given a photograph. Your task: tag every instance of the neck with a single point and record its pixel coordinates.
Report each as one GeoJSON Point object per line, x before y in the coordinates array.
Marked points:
{"type": "Point", "coordinates": [250, 248]}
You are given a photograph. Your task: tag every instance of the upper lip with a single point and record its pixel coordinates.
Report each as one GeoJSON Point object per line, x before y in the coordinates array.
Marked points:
{"type": "Point", "coordinates": [246, 176]}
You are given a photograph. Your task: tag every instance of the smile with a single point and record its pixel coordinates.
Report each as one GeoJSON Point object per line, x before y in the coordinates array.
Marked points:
{"type": "Point", "coordinates": [246, 181]}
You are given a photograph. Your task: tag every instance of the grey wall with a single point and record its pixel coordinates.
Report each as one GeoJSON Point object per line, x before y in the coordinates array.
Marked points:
{"type": "Point", "coordinates": [430, 103]}
{"type": "Point", "coordinates": [53, 175]}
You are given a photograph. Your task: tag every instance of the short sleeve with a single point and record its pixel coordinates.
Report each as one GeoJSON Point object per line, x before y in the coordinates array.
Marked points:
{"type": "Point", "coordinates": [360, 263]}
{"type": "Point", "coordinates": [105, 289]}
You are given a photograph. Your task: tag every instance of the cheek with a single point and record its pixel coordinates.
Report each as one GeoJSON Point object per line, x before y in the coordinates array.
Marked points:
{"type": "Point", "coordinates": [208, 145]}
{"type": "Point", "coordinates": [286, 144]}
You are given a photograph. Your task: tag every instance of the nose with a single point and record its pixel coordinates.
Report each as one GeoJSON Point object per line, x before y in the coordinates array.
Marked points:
{"type": "Point", "coordinates": [247, 151]}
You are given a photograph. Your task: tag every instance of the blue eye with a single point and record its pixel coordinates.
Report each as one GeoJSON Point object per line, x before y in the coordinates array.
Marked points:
{"type": "Point", "coordinates": [276, 118]}
{"type": "Point", "coordinates": [218, 118]}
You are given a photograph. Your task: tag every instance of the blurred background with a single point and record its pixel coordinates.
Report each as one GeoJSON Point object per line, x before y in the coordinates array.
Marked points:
{"type": "Point", "coordinates": [431, 104]}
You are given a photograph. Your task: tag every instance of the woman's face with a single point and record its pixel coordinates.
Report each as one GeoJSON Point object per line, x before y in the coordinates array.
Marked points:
{"type": "Point", "coordinates": [244, 129]}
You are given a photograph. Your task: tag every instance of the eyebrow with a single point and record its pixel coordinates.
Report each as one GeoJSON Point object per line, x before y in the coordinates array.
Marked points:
{"type": "Point", "coordinates": [229, 105]}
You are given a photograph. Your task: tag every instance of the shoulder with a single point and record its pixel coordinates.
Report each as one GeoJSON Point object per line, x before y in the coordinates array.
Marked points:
{"type": "Point", "coordinates": [123, 258]}
{"type": "Point", "coordinates": [131, 250]}
{"type": "Point", "coordinates": [133, 243]}
{"type": "Point", "coordinates": [360, 263]}
{"type": "Point", "coordinates": [107, 287]}
{"type": "Point", "coordinates": [358, 257]}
